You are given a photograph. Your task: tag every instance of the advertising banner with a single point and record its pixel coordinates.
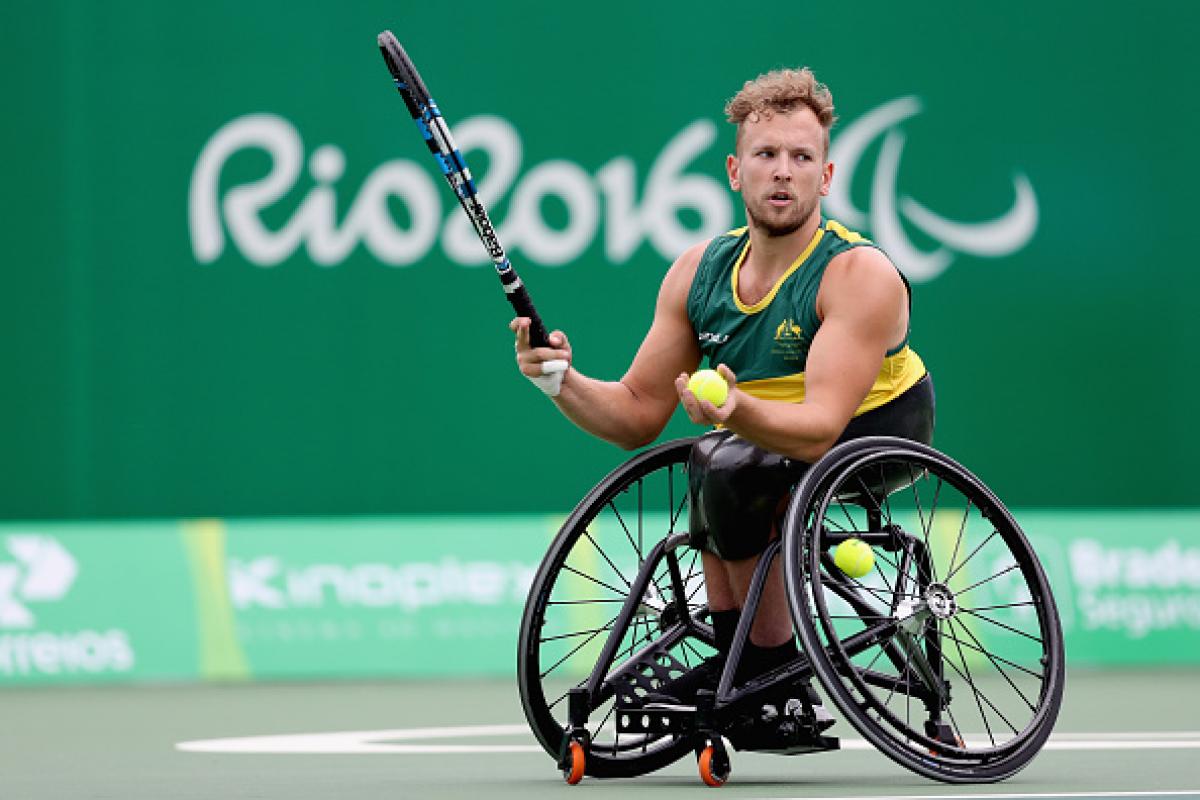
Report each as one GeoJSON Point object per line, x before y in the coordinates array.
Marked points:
{"type": "Point", "coordinates": [95, 603]}
{"type": "Point", "coordinates": [434, 597]}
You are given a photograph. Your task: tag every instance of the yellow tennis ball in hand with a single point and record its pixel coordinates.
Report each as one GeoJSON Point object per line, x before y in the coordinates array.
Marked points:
{"type": "Point", "coordinates": [854, 557]}
{"type": "Point", "coordinates": [707, 384]}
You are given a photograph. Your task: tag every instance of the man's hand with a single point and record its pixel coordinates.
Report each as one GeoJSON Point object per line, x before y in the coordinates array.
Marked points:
{"type": "Point", "coordinates": [545, 366]}
{"type": "Point", "coordinates": [703, 412]}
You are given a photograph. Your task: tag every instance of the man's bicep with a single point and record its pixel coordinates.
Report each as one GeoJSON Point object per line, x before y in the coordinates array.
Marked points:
{"type": "Point", "coordinates": [845, 359]}
{"type": "Point", "coordinates": [670, 346]}
{"type": "Point", "coordinates": [843, 363]}
{"type": "Point", "coordinates": [861, 299]}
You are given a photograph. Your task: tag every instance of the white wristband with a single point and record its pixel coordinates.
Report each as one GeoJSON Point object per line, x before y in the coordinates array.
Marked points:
{"type": "Point", "coordinates": [550, 381]}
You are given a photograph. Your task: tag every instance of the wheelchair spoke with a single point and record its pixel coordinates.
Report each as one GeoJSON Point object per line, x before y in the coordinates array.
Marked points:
{"type": "Point", "coordinates": [1010, 628]}
{"type": "Point", "coordinates": [958, 541]}
{"type": "Point", "coordinates": [996, 664]}
{"type": "Point", "coordinates": [958, 729]}
{"type": "Point", "coordinates": [917, 499]}
{"type": "Point", "coordinates": [878, 594]}
{"type": "Point", "coordinates": [596, 731]}
{"type": "Point", "coordinates": [1039, 675]}
{"type": "Point", "coordinates": [887, 503]}
{"type": "Point", "coordinates": [688, 647]}
{"type": "Point", "coordinates": [982, 697]}
{"type": "Point", "coordinates": [587, 535]}
{"type": "Point", "coordinates": [926, 525]}
{"type": "Point", "coordinates": [573, 651]}
{"type": "Point", "coordinates": [982, 544]}
{"type": "Point", "coordinates": [593, 631]}
{"type": "Point", "coordinates": [937, 493]}
{"type": "Point", "coordinates": [846, 512]}
{"type": "Point", "coordinates": [563, 696]}
{"type": "Point", "coordinates": [867, 493]}
{"type": "Point", "coordinates": [625, 528]}
{"type": "Point", "coordinates": [871, 664]}
{"type": "Point", "coordinates": [640, 549]}
{"type": "Point", "coordinates": [905, 671]}
{"type": "Point", "coordinates": [1025, 603]}
{"type": "Point", "coordinates": [977, 584]}
{"type": "Point", "coordinates": [678, 511]}
{"type": "Point", "coordinates": [587, 577]}
{"type": "Point", "coordinates": [962, 658]}
{"type": "Point", "coordinates": [882, 555]}
{"type": "Point", "coordinates": [617, 600]}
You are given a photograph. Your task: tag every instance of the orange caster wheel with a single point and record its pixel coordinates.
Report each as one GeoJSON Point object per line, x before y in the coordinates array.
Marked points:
{"type": "Point", "coordinates": [574, 773]}
{"type": "Point", "coordinates": [714, 765]}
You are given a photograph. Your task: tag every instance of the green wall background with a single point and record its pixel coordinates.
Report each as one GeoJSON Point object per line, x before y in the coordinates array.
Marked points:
{"type": "Point", "coordinates": [144, 383]}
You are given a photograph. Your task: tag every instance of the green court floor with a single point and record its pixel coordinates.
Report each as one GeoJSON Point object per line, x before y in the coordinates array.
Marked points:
{"type": "Point", "coordinates": [1120, 732]}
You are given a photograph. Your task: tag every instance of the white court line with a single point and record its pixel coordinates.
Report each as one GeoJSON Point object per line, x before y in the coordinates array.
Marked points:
{"type": "Point", "coordinates": [982, 796]}
{"type": "Point", "coordinates": [397, 742]}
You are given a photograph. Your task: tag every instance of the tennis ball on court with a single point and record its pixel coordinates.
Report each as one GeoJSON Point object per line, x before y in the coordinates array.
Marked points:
{"type": "Point", "coordinates": [707, 384]}
{"type": "Point", "coordinates": [854, 557]}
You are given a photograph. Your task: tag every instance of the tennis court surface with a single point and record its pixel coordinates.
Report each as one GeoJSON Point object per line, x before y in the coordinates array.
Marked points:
{"type": "Point", "coordinates": [1121, 734]}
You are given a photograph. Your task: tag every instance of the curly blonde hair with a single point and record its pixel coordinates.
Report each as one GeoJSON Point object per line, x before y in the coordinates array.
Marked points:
{"type": "Point", "coordinates": [781, 91]}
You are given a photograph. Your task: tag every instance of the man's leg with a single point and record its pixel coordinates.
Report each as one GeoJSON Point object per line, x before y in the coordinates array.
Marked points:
{"type": "Point", "coordinates": [773, 621]}
{"type": "Point", "coordinates": [722, 595]}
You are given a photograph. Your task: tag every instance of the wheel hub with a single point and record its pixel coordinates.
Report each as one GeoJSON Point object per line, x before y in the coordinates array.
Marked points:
{"type": "Point", "coordinates": [940, 601]}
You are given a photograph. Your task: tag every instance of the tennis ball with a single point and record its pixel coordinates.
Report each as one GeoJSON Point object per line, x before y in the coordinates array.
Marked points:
{"type": "Point", "coordinates": [707, 384]}
{"type": "Point", "coordinates": [854, 557]}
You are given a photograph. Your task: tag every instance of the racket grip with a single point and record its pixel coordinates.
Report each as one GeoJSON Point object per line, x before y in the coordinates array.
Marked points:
{"type": "Point", "coordinates": [523, 305]}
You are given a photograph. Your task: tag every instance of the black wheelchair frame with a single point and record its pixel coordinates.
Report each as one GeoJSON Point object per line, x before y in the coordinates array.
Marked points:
{"type": "Point", "coordinates": [906, 614]}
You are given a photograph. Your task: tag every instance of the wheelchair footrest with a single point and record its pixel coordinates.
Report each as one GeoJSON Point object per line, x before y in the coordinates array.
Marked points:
{"type": "Point", "coordinates": [787, 738]}
{"type": "Point", "coordinates": [797, 730]}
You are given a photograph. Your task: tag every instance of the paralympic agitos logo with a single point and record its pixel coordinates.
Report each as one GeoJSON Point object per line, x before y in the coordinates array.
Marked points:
{"type": "Point", "coordinates": [609, 204]}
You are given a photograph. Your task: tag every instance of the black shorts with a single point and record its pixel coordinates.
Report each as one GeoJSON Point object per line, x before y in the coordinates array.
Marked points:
{"type": "Point", "coordinates": [735, 487]}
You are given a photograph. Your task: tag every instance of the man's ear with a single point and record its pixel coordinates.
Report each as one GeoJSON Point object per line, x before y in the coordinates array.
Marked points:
{"type": "Point", "coordinates": [731, 169]}
{"type": "Point", "coordinates": [826, 178]}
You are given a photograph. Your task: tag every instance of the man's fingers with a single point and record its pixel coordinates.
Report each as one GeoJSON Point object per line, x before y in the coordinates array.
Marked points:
{"type": "Point", "coordinates": [548, 354]}
{"type": "Point", "coordinates": [520, 326]}
{"type": "Point", "coordinates": [690, 405]}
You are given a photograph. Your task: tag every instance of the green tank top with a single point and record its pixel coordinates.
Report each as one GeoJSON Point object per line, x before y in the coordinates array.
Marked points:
{"type": "Point", "coordinates": [766, 344]}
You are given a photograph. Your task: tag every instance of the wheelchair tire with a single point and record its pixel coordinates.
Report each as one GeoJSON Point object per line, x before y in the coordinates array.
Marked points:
{"type": "Point", "coordinates": [578, 592]}
{"type": "Point", "coordinates": [948, 656]}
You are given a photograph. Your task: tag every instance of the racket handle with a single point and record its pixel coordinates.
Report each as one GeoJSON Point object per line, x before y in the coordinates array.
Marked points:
{"type": "Point", "coordinates": [524, 308]}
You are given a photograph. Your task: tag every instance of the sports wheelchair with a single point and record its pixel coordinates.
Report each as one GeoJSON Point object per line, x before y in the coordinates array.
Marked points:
{"type": "Point", "coordinates": [947, 656]}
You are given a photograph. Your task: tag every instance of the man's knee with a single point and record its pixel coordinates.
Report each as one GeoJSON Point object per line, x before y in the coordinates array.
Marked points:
{"type": "Point", "coordinates": [736, 490]}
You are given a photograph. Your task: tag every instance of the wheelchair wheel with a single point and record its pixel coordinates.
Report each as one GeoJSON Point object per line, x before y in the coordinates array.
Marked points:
{"type": "Point", "coordinates": [948, 655]}
{"type": "Point", "coordinates": [578, 594]}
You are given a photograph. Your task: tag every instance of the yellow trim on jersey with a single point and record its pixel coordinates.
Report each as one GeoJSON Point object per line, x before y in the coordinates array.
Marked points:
{"type": "Point", "coordinates": [897, 375]}
{"type": "Point", "coordinates": [766, 301]}
{"type": "Point", "coordinates": [853, 237]}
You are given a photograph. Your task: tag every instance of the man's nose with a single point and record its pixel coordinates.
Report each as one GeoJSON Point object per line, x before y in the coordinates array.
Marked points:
{"type": "Point", "coordinates": [783, 170]}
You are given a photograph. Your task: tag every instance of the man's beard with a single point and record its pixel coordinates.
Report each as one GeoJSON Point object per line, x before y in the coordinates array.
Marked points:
{"type": "Point", "coordinates": [789, 225]}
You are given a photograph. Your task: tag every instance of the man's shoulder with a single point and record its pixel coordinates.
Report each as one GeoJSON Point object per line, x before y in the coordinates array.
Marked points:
{"type": "Point", "coordinates": [860, 272]}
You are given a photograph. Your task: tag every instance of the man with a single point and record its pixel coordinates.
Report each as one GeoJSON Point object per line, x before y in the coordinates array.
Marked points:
{"type": "Point", "coordinates": [808, 323]}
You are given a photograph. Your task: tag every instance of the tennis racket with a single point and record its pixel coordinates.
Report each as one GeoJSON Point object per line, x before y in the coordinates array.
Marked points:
{"type": "Point", "coordinates": [436, 133]}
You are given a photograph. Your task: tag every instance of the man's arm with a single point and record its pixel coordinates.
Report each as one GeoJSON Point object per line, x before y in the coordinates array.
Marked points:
{"type": "Point", "coordinates": [863, 305]}
{"type": "Point", "coordinates": [633, 411]}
